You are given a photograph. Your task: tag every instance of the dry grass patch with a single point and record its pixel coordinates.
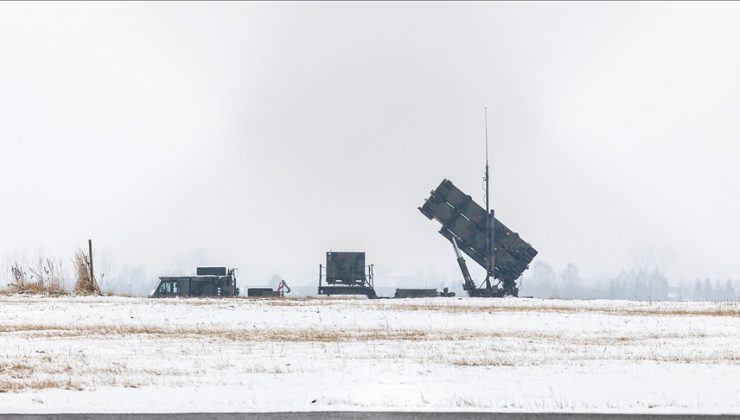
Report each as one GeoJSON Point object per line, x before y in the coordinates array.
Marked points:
{"type": "Point", "coordinates": [257, 335]}
{"type": "Point", "coordinates": [484, 362]}
{"type": "Point", "coordinates": [727, 310]}
{"type": "Point", "coordinates": [303, 300]}
{"type": "Point", "coordinates": [15, 369]}
{"type": "Point", "coordinates": [284, 301]}
{"type": "Point", "coordinates": [34, 288]}
{"type": "Point", "coordinates": [34, 385]}
{"type": "Point", "coordinates": [86, 283]}
{"type": "Point", "coordinates": [304, 335]}
{"type": "Point", "coordinates": [45, 277]}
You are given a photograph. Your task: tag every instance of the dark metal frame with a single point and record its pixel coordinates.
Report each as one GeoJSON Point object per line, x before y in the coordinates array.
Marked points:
{"type": "Point", "coordinates": [366, 288]}
{"type": "Point", "coordinates": [219, 285]}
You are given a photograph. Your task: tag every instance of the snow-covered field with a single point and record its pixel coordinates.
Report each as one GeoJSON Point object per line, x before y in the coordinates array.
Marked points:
{"type": "Point", "coordinates": [144, 355]}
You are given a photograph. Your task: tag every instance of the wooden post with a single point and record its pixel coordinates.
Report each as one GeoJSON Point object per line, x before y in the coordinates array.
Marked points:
{"type": "Point", "coordinates": [89, 247]}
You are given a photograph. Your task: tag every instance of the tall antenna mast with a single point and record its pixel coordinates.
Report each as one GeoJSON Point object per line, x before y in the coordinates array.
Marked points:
{"type": "Point", "coordinates": [489, 238]}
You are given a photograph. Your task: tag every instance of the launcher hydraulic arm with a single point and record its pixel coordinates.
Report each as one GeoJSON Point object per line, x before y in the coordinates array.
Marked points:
{"type": "Point", "coordinates": [468, 284]}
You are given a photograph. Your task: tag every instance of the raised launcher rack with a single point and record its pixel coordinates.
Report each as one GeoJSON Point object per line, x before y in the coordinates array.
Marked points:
{"type": "Point", "coordinates": [345, 273]}
{"type": "Point", "coordinates": [464, 224]}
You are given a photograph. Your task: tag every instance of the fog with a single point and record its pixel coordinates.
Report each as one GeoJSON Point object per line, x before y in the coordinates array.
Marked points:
{"type": "Point", "coordinates": [261, 135]}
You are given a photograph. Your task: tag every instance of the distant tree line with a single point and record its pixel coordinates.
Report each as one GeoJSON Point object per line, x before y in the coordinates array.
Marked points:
{"type": "Point", "coordinates": [635, 284]}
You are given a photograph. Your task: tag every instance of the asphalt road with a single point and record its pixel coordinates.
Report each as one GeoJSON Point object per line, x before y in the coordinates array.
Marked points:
{"type": "Point", "coordinates": [362, 416]}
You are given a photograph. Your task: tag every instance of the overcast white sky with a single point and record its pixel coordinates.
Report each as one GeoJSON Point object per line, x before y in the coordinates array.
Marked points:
{"type": "Point", "coordinates": [261, 135]}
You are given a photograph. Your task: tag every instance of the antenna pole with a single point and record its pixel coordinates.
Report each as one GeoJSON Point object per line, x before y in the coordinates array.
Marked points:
{"type": "Point", "coordinates": [489, 239]}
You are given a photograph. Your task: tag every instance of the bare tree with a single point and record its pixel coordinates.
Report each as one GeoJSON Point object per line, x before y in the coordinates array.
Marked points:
{"type": "Point", "coordinates": [570, 281]}
{"type": "Point", "coordinates": [542, 281]}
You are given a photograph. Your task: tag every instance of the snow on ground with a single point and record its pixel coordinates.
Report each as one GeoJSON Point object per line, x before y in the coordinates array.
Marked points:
{"type": "Point", "coordinates": [145, 355]}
